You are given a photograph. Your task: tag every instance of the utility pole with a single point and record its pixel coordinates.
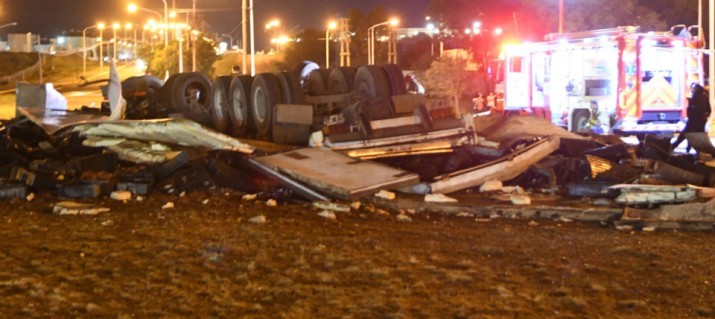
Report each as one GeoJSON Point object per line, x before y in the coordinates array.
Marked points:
{"type": "Point", "coordinates": [344, 41]}
{"type": "Point", "coordinates": [244, 36]}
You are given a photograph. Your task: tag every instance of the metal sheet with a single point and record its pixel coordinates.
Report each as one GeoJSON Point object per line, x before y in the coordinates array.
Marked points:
{"type": "Point", "coordinates": [337, 174]}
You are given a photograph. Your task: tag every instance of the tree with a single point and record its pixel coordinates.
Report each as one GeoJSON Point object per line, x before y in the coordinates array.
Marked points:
{"type": "Point", "coordinates": [311, 47]}
{"type": "Point", "coordinates": [161, 58]}
{"type": "Point", "coordinates": [447, 77]}
{"type": "Point", "coordinates": [542, 16]}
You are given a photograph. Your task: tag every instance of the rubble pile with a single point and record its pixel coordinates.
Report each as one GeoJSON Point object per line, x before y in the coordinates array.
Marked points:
{"type": "Point", "coordinates": [521, 161]}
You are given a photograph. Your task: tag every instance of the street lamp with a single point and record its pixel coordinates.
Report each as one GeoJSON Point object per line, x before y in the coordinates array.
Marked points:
{"type": "Point", "coordinates": [273, 25]}
{"type": "Point", "coordinates": [84, 46]}
{"type": "Point", "coordinates": [331, 25]}
{"type": "Point", "coordinates": [133, 8]}
{"type": "Point", "coordinates": [371, 38]}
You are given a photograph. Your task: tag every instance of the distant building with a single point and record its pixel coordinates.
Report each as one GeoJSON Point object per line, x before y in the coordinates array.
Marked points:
{"type": "Point", "coordinates": [21, 42]}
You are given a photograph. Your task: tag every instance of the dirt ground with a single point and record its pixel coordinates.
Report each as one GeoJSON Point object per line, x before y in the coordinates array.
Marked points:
{"type": "Point", "coordinates": [207, 260]}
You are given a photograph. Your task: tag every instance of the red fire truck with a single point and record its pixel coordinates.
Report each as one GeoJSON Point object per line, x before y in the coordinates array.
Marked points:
{"type": "Point", "coordinates": [618, 80]}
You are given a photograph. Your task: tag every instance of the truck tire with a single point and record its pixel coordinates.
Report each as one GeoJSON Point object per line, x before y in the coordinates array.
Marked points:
{"type": "Point", "coordinates": [220, 103]}
{"type": "Point", "coordinates": [191, 93]}
{"type": "Point", "coordinates": [239, 110]}
{"type": "Point", "coordinates": [265, 94]}
{"type": "Point", "coordinates": [341, 80]}
{"type": "Point", "coordinates": [317, 82]}
{"type": "Point", "coordinates": [579, 120]}
{"type": "Point", "coordinates": [166, 92]}
{"type": "Point", "coordinates": [396, 79]}
{"type": "Point", "coordinates": [371, 81]}
{"type": "Point", "coordinates": [290, 87]}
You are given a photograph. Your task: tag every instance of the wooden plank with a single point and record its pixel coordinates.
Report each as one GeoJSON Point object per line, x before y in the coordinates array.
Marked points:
{"type": "Point", "coordinates": [338, 174]}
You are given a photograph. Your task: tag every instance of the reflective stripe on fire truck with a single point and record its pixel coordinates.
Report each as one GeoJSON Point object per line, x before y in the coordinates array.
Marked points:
{"type": "Point", "coordinates": [658, 93]}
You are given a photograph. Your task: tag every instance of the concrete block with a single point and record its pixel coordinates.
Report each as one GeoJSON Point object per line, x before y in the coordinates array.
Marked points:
{"type": "Point", "coordinates": [105, 162]}
{"type": "Point", "coordinates": [164, 170]}
{"type": "Point", "coordinates": [9, 191]}
{"type": "Point", "coordinates": [79, 191]}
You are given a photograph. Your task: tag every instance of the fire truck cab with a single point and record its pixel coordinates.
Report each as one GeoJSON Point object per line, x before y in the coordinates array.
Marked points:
{"type": "Point", "coordinates": [612, 80]}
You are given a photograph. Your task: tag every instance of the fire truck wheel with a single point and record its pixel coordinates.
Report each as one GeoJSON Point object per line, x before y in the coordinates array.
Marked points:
{"type": "Point", "coordinates": [397, 80]}
{"type": "Point", "coordinates": [220, 104]}
{"type": "Point", "coordinates": [290, 87]}
{"type": "Point", "coordinates": [303, 69]}
{"type": "Point", "coordinates": [341, 80]}
{"type": "Point", "coordinates": [580, 120]}
{"type": "Point", "coordinates": [371, 81]}
{"type": "Point", "coordinates": [317, 82]}
{"type": "Point", "coordinates": [191, 93]}
{"type": "Point", "coordinates": [265, 94]}
{"type": "Point", "coordinates": [239, 102]}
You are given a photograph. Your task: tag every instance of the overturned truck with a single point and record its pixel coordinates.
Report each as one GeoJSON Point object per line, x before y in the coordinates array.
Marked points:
{"type": "Point", "coordinates": [346, 104]}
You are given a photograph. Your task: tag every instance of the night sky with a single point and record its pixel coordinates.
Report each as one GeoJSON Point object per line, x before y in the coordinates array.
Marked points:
{"type": "Point", "coordinates": [51, 17]}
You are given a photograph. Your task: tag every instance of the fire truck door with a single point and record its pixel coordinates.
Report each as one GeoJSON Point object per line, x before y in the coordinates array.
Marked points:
{"type": "Point", "coordinates": [517, 83]}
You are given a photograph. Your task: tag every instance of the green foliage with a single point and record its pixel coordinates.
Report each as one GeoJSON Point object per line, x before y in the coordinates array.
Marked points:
{"type": "Point", "coordinates": [310, 47]}
{"type": "Point", "coordinates": [446, 77]}
{"type": "Point", "coordinates": [595, 14]}
{"type": "Point", "coordinates": [160, 58]}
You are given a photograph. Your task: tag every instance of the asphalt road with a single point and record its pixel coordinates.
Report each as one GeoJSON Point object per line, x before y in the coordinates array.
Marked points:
{"type": "Point", "coordinates": [77, 95]}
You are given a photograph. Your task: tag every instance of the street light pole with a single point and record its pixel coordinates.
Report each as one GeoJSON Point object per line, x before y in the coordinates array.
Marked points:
{"type": "Point", "coordinates": [84, 49]}
{"type": "Point", "coordinates": [711, 55]}
{"type": "Point", "coordinates": [114, 28]}
{"type": "Point", "coordinates": [253, 47]}
{"type": "Point", "coordinates": [135, 43]}
{"type": "Point", "coordinates": [101, 46]}
{"type": "Point", "coordinates": [331, 25]}
{"type": "Point", "coordinates": [166, 24]}
{"type": "Point", "coordinates": [371, 39]}
{"type": "Point", "coordinates": [561, 16]}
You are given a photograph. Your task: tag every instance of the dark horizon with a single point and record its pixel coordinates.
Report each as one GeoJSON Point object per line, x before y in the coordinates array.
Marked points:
{"type": "Point", "coordinates": [50, 18]}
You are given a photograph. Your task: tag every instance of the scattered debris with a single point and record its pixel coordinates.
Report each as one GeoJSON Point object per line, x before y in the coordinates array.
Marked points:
{"type": "Point", "coordinates": [385, 194]}
{"type": "Point", "coordinates": [355, 205]}
{"type": "Point", "coordinates": [327, 214]}
{"type": "Point", "coordinates": [73, 208]}
{"type": "Point", "coordinates": [168, 205]}
{"type": "Point", "coordinates": [271, 203]}
{"type": "Point", "coordinates": [260, 219]}
{"type": "Point", "coordinates": [336, 207]}
{"type": "Point", "coordinates": [439, 198]}
{"type": "Point", "coordinates": [491, 186]}
{"type": "Point", "coordinates": [403, 218]}
{"type": "Point", "coordinates": [519, 199]}
{"type": "Point", "coordinates": [249, 197]}
{"type": "Point", "coordinates": [121, 195]}
{"type": "Point", "coordinates": [654, 194]}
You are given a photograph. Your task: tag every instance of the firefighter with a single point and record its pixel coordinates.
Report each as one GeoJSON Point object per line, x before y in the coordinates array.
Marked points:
{"type": "Point", "coordinates": [491, 100]}
{"type": "Point", "coordinates": [478, 102]}
{"type": "Point", "coordinates": [698, 113]}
